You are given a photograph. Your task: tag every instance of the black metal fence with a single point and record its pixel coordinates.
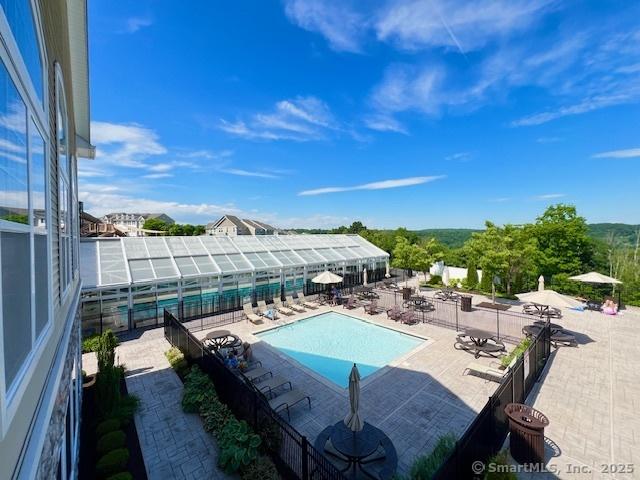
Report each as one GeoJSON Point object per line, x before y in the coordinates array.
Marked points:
{"type": "Point", "coordinates": [291, 452]}
{"type": "Point", "coordinates": [486, 435]}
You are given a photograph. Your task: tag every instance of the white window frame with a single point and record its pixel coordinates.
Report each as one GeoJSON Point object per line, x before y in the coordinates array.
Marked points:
{"type": "Point", "coordinates": [38, 114]}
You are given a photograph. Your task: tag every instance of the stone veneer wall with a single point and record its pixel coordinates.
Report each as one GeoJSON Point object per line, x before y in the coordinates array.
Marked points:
{"type": "Point", "coordinates": [50, 456]}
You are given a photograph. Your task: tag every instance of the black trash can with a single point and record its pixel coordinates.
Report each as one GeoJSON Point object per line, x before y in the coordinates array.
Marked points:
{"type": "Point", "coordinates": [406, 293]}
{"type": "Point", "coordinates": [465, 303]}
{"type": "Point", "coordinates": [526, 429]}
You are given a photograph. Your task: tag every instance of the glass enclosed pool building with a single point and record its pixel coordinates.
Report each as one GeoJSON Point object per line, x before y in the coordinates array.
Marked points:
{"type": "Point", "coordinates": [128, 282]}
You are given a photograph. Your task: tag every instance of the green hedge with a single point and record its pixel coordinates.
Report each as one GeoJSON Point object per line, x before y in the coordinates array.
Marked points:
{"type": "Point", "coordinates": [177, 361]}
{"type": "Point", "coordinates": [516, 352]}
{"type": "Point", "coordinates": [427, 465]}
{"type": "Point", "coordinates": [90, 344]}
{"type": "Point", "coordinates": [112, 462]}
{"type": "Point", "coordinates": [121, 476]}
{"type": "Point", "coordinates": [111, 441]}
{"type": "Point", "coordinates": [109, 425]}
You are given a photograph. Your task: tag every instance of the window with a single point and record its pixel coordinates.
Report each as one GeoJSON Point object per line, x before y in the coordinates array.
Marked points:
{"type": "Point", "coordinates": [20, 18]}
{"type": "Point", "coordinates": [64, 191]}
{"type": "Point", "coordinates": [24, 231]}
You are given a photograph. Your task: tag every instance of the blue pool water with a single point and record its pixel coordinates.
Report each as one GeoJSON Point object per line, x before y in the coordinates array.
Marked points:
{"type": "Point", "coordinates": [330, 343]}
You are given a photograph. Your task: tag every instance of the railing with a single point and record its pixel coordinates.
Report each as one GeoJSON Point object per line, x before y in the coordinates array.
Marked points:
{"type": "Point", "coordinates": [486, 435]}
{"type": "Point", "coordinates": [291, 452]}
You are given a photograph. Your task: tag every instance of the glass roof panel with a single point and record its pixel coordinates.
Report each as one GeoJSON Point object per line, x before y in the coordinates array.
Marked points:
{"type": "Point", "coordinates": [157, 247]}
{"type": "Point", "coordinates": [224, 264]}
{"type": "Point", "coordinates": [113, 269]}
{"type": "Point", "coordinates": [310, 256]}
{"type": "Point", "coordinates": [177, 246]}
{"type": "Point", "coordinates": [89, 264]}
{"type": "Point", "coordinates": [135, 247]}
{"type": "Point", "coordinates": [255, 260]}
{"type": "Point", "coordinates": [194, 246]}
{"type": "Point", "coordinates": [163, 267]}
{"type": "Point", "coordinates": [205, 264]}
{"type": "Point", "coordinates": [226, 244]}
{"type": "Point", "coordinates": [283, 258]}
{"type": "Point", "coordinates": [239, 262]}
{"type": "Point", "coordinates": [141, 270]}
{"type": "Point", "coordinates": [186, 266]}
{"type": "Point", "coordinates": [268, 259]}
{"type": "Point", "coordinates": [329, 254]}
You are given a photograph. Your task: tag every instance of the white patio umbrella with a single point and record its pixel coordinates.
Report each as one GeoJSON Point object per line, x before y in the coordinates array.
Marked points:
{"type": "Point", "coordinates": [364, 276]}
{"type": "Point", "coordinates": [595, 277]}
{"type": "Point", "coordinates": [549, 297]}
{"type": "Point", "coordinates": [327, 278]}
{"type": "Point", "coordinates": [353, 420]}
{"type": "Point", "coordinates": [445, 276]}
{"type": "Point", "coordinates": [540, 283]}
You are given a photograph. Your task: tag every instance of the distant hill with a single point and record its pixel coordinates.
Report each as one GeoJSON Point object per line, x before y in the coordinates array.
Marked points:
{"type": "Point", "coordinates": [622, 232]}
{"type": "Point", "coordinates": [451, 237]}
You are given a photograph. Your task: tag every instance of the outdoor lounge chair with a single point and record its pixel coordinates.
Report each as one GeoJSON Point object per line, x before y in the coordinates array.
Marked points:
{"type": "Point", "coordinates": [277, 303]}
{"type": "Point", "coordinates": [294, 306]}
{"type": "Point", "coordinates": [563, 339]}
{"type": "Point", "coordinates": [351, 303]}
{"type": "Point", "coordinates": [491, 372]}
{"type": "Point", "coordinates": [409, 317]}
{"type": "Point", "coordinates": [257, 373]}
{"type": "Point", "coordinates": [250, 314]}
{"type": "Point", "coordinates": [373, 308]}
{"type": "Point", "coordinates": [267, 386]}
{"type": "Point", "coordinates": [394, 313]}
{"type": "Point", "coordinates": [265, 311]}
{"type": "Point", "coordinates": [288, 400]}
{"type": "Point", "coordinates": [306, 303]}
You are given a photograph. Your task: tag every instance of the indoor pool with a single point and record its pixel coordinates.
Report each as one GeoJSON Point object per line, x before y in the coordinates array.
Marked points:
{"type": "Point", "coordinates": [330, 343]}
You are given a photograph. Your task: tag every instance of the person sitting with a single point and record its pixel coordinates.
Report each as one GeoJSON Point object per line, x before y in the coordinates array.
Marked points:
{"type": "Point", "coordinates": [610, 307]}
{"type": "Point", "coordinates": [247, 352]}
{"type": "Point", "coordinates": [232, 360]}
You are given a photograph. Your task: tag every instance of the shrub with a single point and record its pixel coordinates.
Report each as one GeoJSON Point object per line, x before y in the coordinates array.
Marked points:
{"type": "Point", "coordinates": [90, 344]}
{"type": "Point", "coordinates": [197, 389]}
{"type": "Point", "coordinates": [111, 441]}
{"type": "Point", "coordinates": [121, 476]}
{"type": "Point", "coordinates": [126, 408]}
{"type": "Point", "coordinates": [503, 473]}
{"type": "Point", "coordinates": [516, 352]}
{"type": "Point", "coordinates": [426, 466]}
{"type": "Point", "coordinates": [107, 391]}
{"type": "Point", "coordinates": [113, 462]}
{"type": "Point", "coordinates": [238, 446]}
{"type": "Point", "coordinates": [435, 280]}
{"type": "Point", "coordinates": [485, 282]}
{"type": "Point", "coordinates": [106, 351]}
{"type": "Point", "coordinates": [262, 468]}
{"type": "Point", "coordinates": [109, 425]}
{"type": "Point", "coordinates": [215, 415]}
{"type": "Point", "coordinates": [472, 276]}
{"type": "Point", "coordinates": [177, 361]}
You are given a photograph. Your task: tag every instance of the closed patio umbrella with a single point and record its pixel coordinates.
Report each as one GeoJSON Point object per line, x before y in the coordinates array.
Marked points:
{"type": "Point", "coordinates": [327, 278]}
{"type": "Point", "coordinates": [550, 298]}
{"type": "Point", "coordinates": [540, 283]}
{"type": "Point", "coordinates": [364, 276]}
{"type": "Point", "coordinates": [353, 420]}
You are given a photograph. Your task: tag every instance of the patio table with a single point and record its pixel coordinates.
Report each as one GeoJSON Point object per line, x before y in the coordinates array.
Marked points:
{"type": "Point", "coordinates": [356, 446]}
{"type": "Point", "coordinates": [223, 339]}
{"type": "Point", "coordinates": [554, 326]}
{"type": "Point", "coordinates": [478, 336]}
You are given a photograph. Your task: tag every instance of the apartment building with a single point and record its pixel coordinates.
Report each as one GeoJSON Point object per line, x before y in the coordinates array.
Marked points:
{"type": "Point", "coordinates": [44, 130]}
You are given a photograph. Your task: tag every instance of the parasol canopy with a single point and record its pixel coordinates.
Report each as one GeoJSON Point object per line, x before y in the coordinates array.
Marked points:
{"type": "Point", "coordinates": [327, 278]}
{"type": "Point", "coordinates": [550, 298]}
{"type": "Point", "coordinates": [595, 277]}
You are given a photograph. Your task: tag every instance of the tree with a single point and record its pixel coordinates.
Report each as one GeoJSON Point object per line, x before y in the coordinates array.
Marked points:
{"type": "Point", "coordinates": [508, 252]}
{"type": "Point", "coordinates": [402, 254]}
{"type": "Point", "coordinates": [563, 240]}
{"type": "Point", "coordinates": [199, 230]}
{"type": "Point", "coordinates": [425, 255]}
{"type": "Point", "coordinates": [155, 224]}
{"type": "Point", "coordinates": [175, 229]}
{"type": "Point", "coordinates": [356, 227]}
{"type": "Point", "coordinates": [472, 275]}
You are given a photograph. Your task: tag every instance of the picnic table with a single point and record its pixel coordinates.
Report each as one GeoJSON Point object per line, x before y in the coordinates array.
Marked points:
{"type": "Point", "coordinates": [479, 341]}
{"type": "Point", "coordinates": [553, 326]}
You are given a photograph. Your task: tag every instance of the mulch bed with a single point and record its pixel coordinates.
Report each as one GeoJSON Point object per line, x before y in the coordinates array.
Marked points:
{"type": "Point", "coordinates": [494, 306]}
{"type": "Point", "coordinates": [88, 440]}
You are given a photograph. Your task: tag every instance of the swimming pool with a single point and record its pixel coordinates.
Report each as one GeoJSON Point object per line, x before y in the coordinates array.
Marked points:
{"type": "Point", "coordinates": [330, 343]}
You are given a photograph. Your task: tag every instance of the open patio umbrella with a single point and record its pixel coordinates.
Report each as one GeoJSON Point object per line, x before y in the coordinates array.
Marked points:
{"type": "Point", "coordinates": [327, 278]}
{"type": "Point", "coordinates": [550, 298]}
{"type": "Point", "coordinates": [540, 283]}
{"type": "Point", "coordinates": [364, 276]}
{"type": "Point", "coordinates": [595, 277]}
{"type": "Point", "coordinates": [353, 420]}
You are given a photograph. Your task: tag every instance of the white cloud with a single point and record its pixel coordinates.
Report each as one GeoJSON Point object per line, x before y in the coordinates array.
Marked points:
{"type": "Point", "coordinates": [500, 199]}
{"type": "Point", "coordinates": [125, 145]}
{"type": "Point", "coordinates": [458, 24]}
{"type": "Point", "coordinates": [548, 139]}
{"type": "Point", "coordinates": [337, 21]}
{"type": "Point", "coordinates": [300, 119]}
{"type": "Point", "coordinates": [629, 153]}
{"type": "Point", "coordinates": [459, 157]}
{"type": "Point", "coordinates": [550, 196]}
{"type": "Point", "coordinates": [154, 176]}
{"type": "Point", "coordinates": [133, 24]}
{"type": "Point", "coordinates": [381, 185]}
{"type": "Point", "coordinates": [248, 173]}
{"type": "Point", "coordinates": [384, 123]}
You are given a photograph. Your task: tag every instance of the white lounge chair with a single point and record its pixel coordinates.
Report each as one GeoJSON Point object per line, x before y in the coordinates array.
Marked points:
{"type": "Point", "coordinates": [306, 303]}
{"type": "Point", "coordinates": [490, 372]}
{"type": "Point", "coordinates": [294, 306]}
{"type": "Point", "coordinates": [277, 303]}
{"type": "Point", "coordinates": [265, 311]}
{"type": "Point", "coordinates": [251, 315]}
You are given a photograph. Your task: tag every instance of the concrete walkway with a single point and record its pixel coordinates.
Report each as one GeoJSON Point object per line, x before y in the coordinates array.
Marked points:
{"type": "Point", "coordinates": [174, 444]}
{"type": "Point", "coordinates": [591, 395]}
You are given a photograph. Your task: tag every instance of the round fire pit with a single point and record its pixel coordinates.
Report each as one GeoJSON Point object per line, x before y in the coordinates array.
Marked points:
{"type": "Point", "coordinates": [526, 425]}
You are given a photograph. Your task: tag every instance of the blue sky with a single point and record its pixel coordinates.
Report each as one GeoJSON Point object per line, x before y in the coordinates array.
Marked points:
{"type": "Point", "coordinates": [398, 113]}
